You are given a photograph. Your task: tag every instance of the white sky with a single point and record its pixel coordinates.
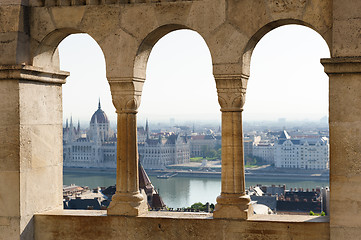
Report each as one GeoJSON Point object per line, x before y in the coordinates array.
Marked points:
{"type": "Point", "coordinates": [287, 79]}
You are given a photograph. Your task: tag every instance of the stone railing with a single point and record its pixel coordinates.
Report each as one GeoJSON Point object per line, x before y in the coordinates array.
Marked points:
{"type": "Point", "coordinates": [54, 3]}
{"type": "Point", "coordinates": [85, 224]}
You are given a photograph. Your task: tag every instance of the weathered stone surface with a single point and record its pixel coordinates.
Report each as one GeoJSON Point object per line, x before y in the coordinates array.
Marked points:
{"type": "Point", "coordinates": [347, 38]}
{"type": "Point", "coordinates": [174, 228]}
{"type": "Point", "coordinates": [283, 9]}
{"type": "Point", "coordinates": [45, 108]}
{"type": "Point", "coordinates": [253, 12]}
{"type": "Point", "coordinates": [146, 20]}
{"type": "Point", "coordinates": [9, 228]}
{"type": "Point", "coordinates": [38, 143]}
{"type": "Point", "coordinates": [227, 44]}
{"type": "Point", "coordinates": [41, 22]}
{"type": "Point", "coordinates": [108, 19]}
{"type": "Point", "coordinates": [9, 200]}
{"type": "Point", "coordinates": [9, 95]}
{"type": "Point", "coordinates": [206, 20]}
{"type": "Point", "coordinates": [119, 50]}
{"type": "Point", "coordinates": [10, 18]}
{"type": "Point", "coordinates": [67, 17]}
{"type": "Point", "coordinates": [169, 12]}
{"type": "Point", "coordinates": [318, 14]}
{"type": "Point", "coordinates": [346, 9]}
{"type": "Point", "coordinates": [8, 47]}
{"type": "Point", "coordinates": [33, 182]}
{"type": "Point", "coordinates": [9, 155]}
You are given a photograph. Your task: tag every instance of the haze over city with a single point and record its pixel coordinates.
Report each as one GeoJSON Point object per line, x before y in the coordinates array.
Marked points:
{"type": "Point", "coordinates": [287, 79]}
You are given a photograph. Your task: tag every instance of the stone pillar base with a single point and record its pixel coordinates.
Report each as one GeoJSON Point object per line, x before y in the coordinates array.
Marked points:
{"type": "Point", "coordinates": [233, 206]}
{"type": "Point", "coordinates": [128, 204]}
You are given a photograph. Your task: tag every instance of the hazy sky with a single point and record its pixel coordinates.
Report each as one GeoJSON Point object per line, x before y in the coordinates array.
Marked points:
{"type": "Point", "coordinates": [287, 79]}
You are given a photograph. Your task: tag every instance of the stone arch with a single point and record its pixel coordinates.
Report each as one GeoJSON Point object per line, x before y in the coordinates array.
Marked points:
{"type": "Point", "coordinates": [248, 50]}
{"type": "Point", "coordinates": [46, 54]}
{"type": "Point", "coordinates": [146, 46]}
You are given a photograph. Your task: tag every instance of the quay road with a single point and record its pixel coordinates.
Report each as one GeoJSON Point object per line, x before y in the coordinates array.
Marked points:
{"type": "Point", "coordinates": [250, 174]}
{"type": "Point", "coordinates": [194, 170]}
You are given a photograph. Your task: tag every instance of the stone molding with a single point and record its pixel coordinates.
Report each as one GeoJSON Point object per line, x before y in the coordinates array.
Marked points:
{"type": "Point", "coordinates": [233, 206]}
{"type": "Point", "coordinates": [59, 3]}
{"type": "Point", "coordinates": [14, 2]}
{"type": "Point", "coordinates": [344, 65]}
{"type": "Point", "coordinates": [126, 93]}
{"type": "Point", "coordinates": [231, 91]}
{"type": "Point", "coordinates": [31, 73]}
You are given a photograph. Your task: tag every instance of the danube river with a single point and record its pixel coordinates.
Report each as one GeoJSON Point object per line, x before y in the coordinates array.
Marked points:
{"type": "Point", "coordinates": [179, 191]}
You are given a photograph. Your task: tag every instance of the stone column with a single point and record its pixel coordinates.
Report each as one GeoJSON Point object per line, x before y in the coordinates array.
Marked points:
{"type": "Point", "coordinates": [233, 202]}
{"type": "Point", "coordinates": [345, 150]}
{"type": "Point", "coordinates": [31, 147]}
{"type": "Point", "coordinates": [127, 200]}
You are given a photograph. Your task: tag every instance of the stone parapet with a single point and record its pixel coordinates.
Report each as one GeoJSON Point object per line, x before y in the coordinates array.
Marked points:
{"type": "Point", "coordinates": [167, 225]}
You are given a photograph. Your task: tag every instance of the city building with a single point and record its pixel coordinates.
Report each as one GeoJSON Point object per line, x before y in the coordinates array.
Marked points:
{"type": "Point", "coordinates": [162, 149]}
{"type": "Point", "coordinates": [247, 146]}
{"type": "Point", "coordinates": [265, 151]}
{"type": "Point", "coordinates": [301, 153]}
{"type": "Point", "coordinates": [97, 148]}
{"type": "Point", "coordinates": [200, 143]}
{"type": "Point", "coordinates": [293, 201]}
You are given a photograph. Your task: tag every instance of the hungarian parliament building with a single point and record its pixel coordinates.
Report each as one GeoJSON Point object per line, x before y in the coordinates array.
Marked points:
{"type": "Point", "coordinates": [97, 148]}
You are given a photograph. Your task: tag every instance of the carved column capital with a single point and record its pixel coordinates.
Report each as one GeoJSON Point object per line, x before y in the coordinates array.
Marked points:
{"type": "Point", "coordinates": [126, 93]}
{"type": "Point", "coordinates": [231, 91]}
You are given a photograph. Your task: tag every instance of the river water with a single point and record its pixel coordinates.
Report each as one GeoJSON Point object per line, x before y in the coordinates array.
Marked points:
{"type": "Point", "coordinates": [180, 191]}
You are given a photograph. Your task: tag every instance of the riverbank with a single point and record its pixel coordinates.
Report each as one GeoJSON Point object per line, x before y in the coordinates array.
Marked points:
{"type": "Point", "coordinates": [252, 174]}
{"type": "Point", "coordinates": [181, 191]}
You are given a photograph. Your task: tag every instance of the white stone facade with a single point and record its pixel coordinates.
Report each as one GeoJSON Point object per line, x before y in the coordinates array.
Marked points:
{"type": "Point", "coordinates": [305, 153]}
{"type": "Point", "coordinates": [265, 151]}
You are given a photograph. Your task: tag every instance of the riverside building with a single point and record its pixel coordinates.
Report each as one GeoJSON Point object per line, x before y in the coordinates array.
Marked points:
{"type": "Point", "coordinates": [303, 153]}
{"type": "Point", "coordinates": [264, 150]}
{"type": "Point", "coordinates": [96, 148]}
{"type": "Point", "coordinates": [160, 150]}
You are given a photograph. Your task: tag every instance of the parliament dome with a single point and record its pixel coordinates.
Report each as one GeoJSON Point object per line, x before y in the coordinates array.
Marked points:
{"type": "Point", "coordinates": [99, 115]}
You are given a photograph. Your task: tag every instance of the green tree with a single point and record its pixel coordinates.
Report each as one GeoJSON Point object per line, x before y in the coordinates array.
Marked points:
{"type": "Point", "coordinates": [197, 205]}
{"type": "Point", "coordinates": [212, 153]}
{"type": "Point", "coordinates": [204, 150]}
